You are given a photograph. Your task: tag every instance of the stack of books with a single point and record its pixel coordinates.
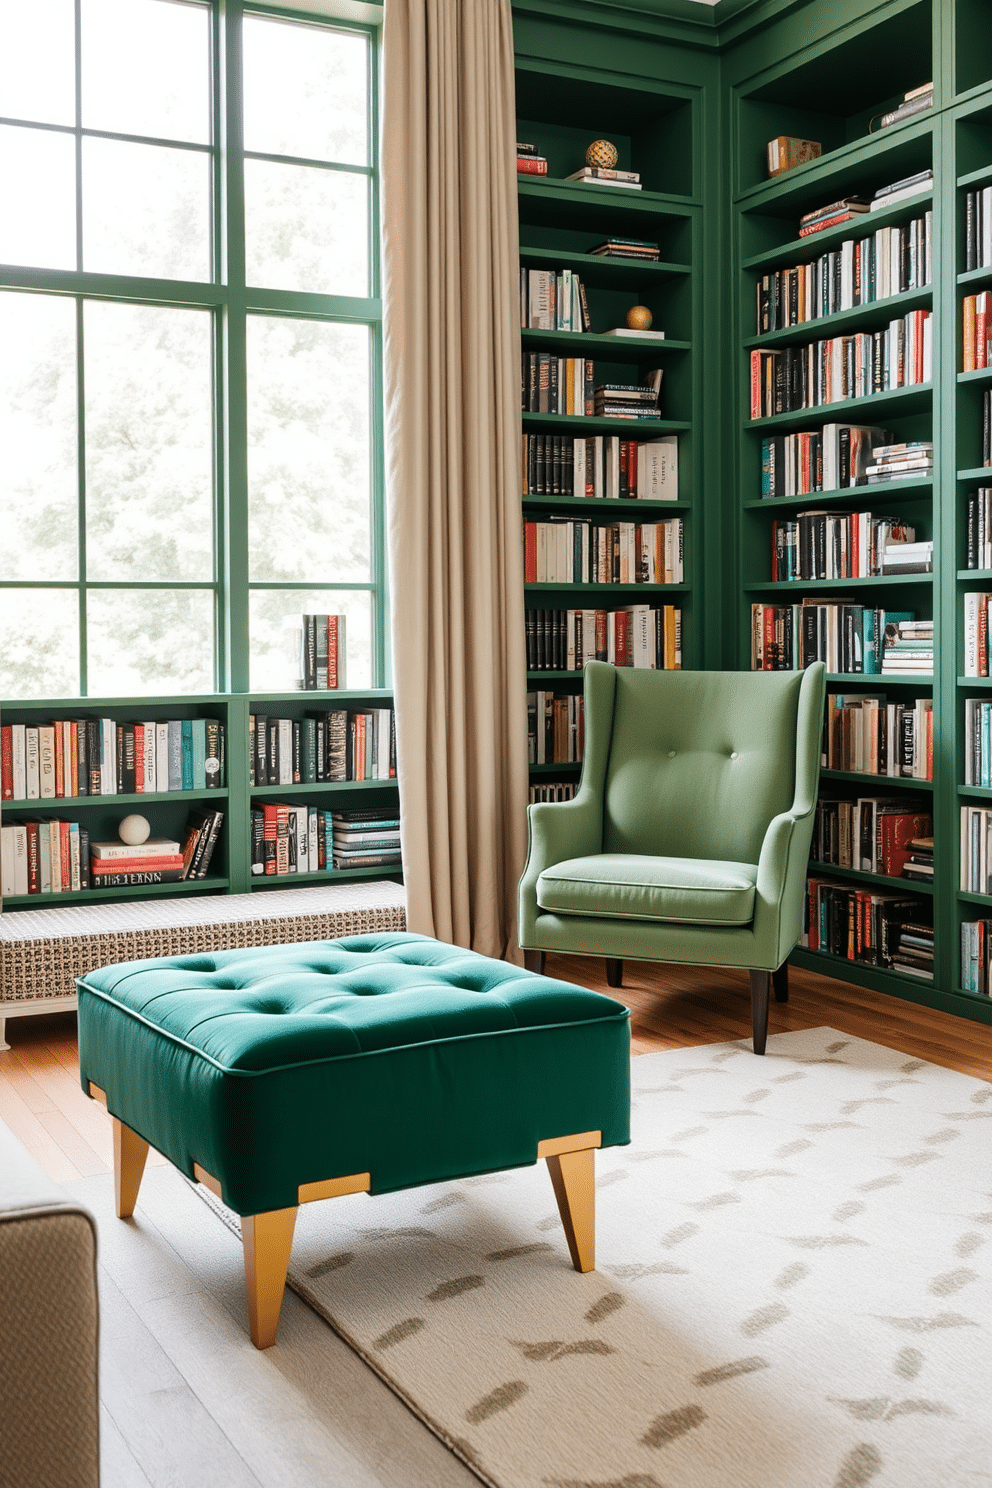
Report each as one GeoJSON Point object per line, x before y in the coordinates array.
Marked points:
{"type": "Point", "coordinates": [975, 955]}
{"type": "Point", "coordinates": [596, 175]}
{"type": "Point", "coordinates": [907, 460]}
{"type": "Point", "coordinates": [615, 247]}
{"type": "Point", "coordinates": [976, 332]}
{"type": "Point", "coordinates": [872, 834]}
{"type": "Point", "coordinates": [529, 162]}
{"type": "Point", "coordinates": [908, 647]}
{"type": "Point", "coordinates": [913, 102]}
{"type": "Point", "coordinates": [887, 196]}
{"type": "Point", "coordinates": [367, 839]}
{"type": "Point", "coordinates": [913, 951]}
{"type": "Point", "coordinates": [843, 210]}
{"type": "Point", "coordinates": [919, 860]}
{"type": "Point", "coordinates": [625, 400]}
{"type": "Point", "coordinates": [907, 557]}
{"type": "Point", "coordinates": [555, 728]}
{"type": "Point", "coordinates": [978, 229]}
{"type": "Point", "coordinates": [116, 865]}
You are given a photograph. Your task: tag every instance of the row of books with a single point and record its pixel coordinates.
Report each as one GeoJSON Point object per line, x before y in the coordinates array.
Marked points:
{"type": "Point", "coordinates": [874, 834]}
{"type": "Point", "coordinates": [553, 300]}
{"type": "Point", "coordinates": [873, 736]}
{"type": "Point", "coordinates": [860, 271]}
{"type": "Point", "coordinates": [48, 856]}
{"type": "Point", "coordinates": [976, 849]}
{"type": "Point", "coordinates": [555, 728]}
{"type": "Point", "coordinates": [861, 925]}
{"type": "Point", "coordinates": [840, 545]}
{"type": "Point", "coordinates": [851, 208]}
{"type": "Point", "coordinates": [978, 229]}
{"type": "Point", "coordinates": [978, 528]}
{"type": "Point", "coordinates": [529, 162]}
{"type": "Point", "coordinates": [604, 467]}
{"type": "Point", "coordinates": [321, 643]}
{"type": "Point", "coordinates": [609, 175]}
{"type": "Point", "coordinates": [558, 385]}
{"type": "Point", "coordinates": [558, 551]}
{"type": "Point", "coordinates": [838, 456]}
{"type": "Point", "coordinates": [344, 744]}
{"type": "Point", "coordinates": [843, 367]}
{"type": "Point", "coordinates": [299, 838]}
{"type": "Point", "coordinates": [100, 757]}
{"type": "Point", "coordinates": [977, 608]}
{"type": "Point", "coordinates": [975, 956]}
{"type": "Point", "coordinates": [551, 790]}
{"type": "Point", "coordinates": [849, 638]}
{"type": "Point", "coordinates": [976, 332]}
{"type": "Point", "coordinates": [638, 248]}
{"type": "Point", "coordinates": [637, 636]}
{"type": "Point", "coordinates": [977, 742]}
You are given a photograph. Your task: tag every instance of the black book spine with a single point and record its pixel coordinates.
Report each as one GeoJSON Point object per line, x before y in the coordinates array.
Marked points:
{"type": "Point", "coordinates": [261, 749]}
{"type": "Point", "coordinates": [126, 768]}
{"type": "Point", "coordinates": [119, 733]}
{"type": "Point", "coordinates": [257, 843]}
{"type": "Point", "coordinates": [970, 231]}
{"type": "Point", "coordinates": [272, 756]}
{"type": "Point", "coordinates": [84, 858]}
{"type": "Point", "coordinates": [297, 752]}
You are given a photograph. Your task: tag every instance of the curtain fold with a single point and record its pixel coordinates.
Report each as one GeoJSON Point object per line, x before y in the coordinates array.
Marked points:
{"type": "Point", "coordinates": [452, 464]}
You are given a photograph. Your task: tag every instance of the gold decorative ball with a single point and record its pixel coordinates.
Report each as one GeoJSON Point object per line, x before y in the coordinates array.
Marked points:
{"type": "Point", "coordinates": [639, 318]}
{"type": "Point", "coordinates": [602, 154]}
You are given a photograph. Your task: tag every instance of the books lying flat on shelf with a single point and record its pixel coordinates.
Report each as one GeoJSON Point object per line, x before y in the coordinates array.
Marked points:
{"type": "Point", "coordinates": [914, 948]}
{"type": "Point", "coordinates": [848, 638]}
{"type": "Point", "coordinates": [871, 834]}
{"type": "Point", "coordinates": [786, 151]}
{"type": "Point", "coordinates": [835, 545]}
{"type": "Point", "coordinates": [100, 757]}
{"type": "Point", "coordinates": [901, 461]}
{"type": "Point", "coordinates": [978, 742]}
{"type": "Point", "coordinates": [916, 101]}
{"type": "Point", "coordinates": [843, 367]}
{"type": "Point", "coordinates": [976, 331]}
{"type": "Point", "coordinates": [828, 459]}
{"type": "Point", "coordinates": [529, 162]}
{"type": "Point", "coordinates": [832, 215]}
{"type": "Point", "coordinates": [856, 924]}
{"type": "Point", "coordinates": [873, 736]}
{"type": "Point", "coordinates": [604, 466]}
{"type": "Point", "coordinates": [976, 850]}
{"type": "Point", "coordinates": [365, 839]}
{"type": "Point", "coordinates": [555, 728]}
{"type": "Point", "coordinates": [975, 955]}
{"type": "Point", "coordinates": [860, 271]}
{"type": "Point", "coordinates": [887, 196]}
{"type": "Point", "coordinates": [559, 551]}
{"type": "Point", "coordinates": [635, 335]}
{"type": "Point", "coordinates": [627, 248]}
{"type": "Point", "coordinates": [907, 558]}
{"type": "Point", "coordinates": [625, 400]}
{"type": "Point", "coordinates": [907, 647]}
{"type": "Point", "coordinates": [636, 636]}
{"type": "Point", "coordinates": [919, 860]}
{"type": "Point", "coordinates": [596, 175]}
{"type": "Point", "coordinates": [553, 300]}
{"type": "Point", "coordinates": [345, 744]}
{"type": "Point", "coordinates": [978, 229]}
{"type": "Point", "coordinates": [558, 385]}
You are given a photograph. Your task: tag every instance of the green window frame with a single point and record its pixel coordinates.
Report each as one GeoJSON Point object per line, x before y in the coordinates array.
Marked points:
{"type": "Point", "coordinates": [231, 302]}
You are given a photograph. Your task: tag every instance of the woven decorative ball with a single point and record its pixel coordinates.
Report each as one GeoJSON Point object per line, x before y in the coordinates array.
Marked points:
{"type": "Point", "coordinates": [602, 154]}
{"type": "Point", "coordinates": [639, 318]}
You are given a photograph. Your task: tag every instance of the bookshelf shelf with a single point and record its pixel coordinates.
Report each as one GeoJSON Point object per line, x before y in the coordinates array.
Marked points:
{"type": "Point", "coordinates": [863, 777]}
{"type": "Point", "coordinates": [976, 473]}
{"type": "Point", "coordinates": [606, 589]}
{"type": "Point", "coordinates": [877, 881]}
{"type": "Point", "coordinates": [326, 875]}
{"type": "Point", "coordinates": [65, 805]}
{"type": "Point", "coordinates": [825, 325]}
{"type": "Point", "coordinates": [878, 679]}
{"type": "Point", "coordinates": [801, 250]}
{"type": "Point", "coordinates": [858, 496]}
{"type": "Point", "coordinates": [601, 272]}
{"type": "Point", "coordinates": [207, 885]}
{"type": "Point", "coordinates": [820, 585]}
{"type": "Point", "coordinates": [980, 177]}
{"type": "Point", "coordinates": [897, 402]}
{"type": "Point", "coordinates": [603, 348]}
{"type": "Point", "coordinates": [982, 682]}
{"type": "Point", "coordinates": [977, 792]}
{"type": "Point", "coordinates": [580, 424]}
{"type": "Point", "coordinates": [856, 168]}
{"type": "Point", "coordinates": [603, 505]}
{"type": "Point", "coordinates": [982, 374]}
{"type": "Point", "coordinates": [552, 203]}
{"type": "Point", "coordinates": [323, 787]}
{"type": "Point", "coordinates": [982, 575]}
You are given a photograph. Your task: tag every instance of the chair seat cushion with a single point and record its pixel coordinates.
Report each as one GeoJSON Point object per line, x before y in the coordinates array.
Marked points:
{"type": "Point", "coordinates": [629, 886]}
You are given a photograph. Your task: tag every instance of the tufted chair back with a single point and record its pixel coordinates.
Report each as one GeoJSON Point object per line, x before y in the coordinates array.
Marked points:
{"type": "Point", "coordinates": [698, 762]}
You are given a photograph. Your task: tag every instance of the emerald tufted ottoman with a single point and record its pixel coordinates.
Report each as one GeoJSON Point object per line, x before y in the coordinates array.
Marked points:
{"type": "Point", "coordinates": [281, 1074]}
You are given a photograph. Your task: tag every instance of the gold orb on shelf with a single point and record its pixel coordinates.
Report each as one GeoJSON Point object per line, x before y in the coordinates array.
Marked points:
{"type": "Point", "coordinates": [602, 154]}
{"type": "Point", "coordinates": [639, 318]}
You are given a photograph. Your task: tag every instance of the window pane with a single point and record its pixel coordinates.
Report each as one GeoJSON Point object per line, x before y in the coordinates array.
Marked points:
{"type": "Point", "coordinates": [274, 617]}
{"type": "Point", "coordinates": [38, 192]}
{"type": "Point", "coordinates": [308, 450]}
{"type": "Point", "coordinates": [306, 229]}
{"type": "Point", "coordinates": [149, 445]}
{"type": "Point", "coordinates": [39, 498]}
{"type": "Point", "coordinates": [306, 91]}
{"type": "Point", "coordinates": [146, 210]}
{"type": "Point", "coordinates": [39, 643]}
{"type": "Point", "coordinates": [146, 68]}
{"type": "Point", "coordinates": [37, 61]}
{"type": "Point", "coordinates": [146, 641]}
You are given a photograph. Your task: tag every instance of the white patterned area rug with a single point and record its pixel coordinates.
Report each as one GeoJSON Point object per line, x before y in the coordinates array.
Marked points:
{"type": "Point", "coordinates": [792, 1287]}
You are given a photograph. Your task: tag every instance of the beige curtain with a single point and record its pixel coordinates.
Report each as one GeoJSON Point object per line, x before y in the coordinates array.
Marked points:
{"type": "Point", "coordinates": [452, 461]}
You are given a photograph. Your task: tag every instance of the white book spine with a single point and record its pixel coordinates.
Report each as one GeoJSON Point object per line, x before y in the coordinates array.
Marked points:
{"type": "Point", "coordinates": [19, 752]}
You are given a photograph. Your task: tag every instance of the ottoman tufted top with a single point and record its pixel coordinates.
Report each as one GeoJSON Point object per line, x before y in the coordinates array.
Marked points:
{"type": "Point", "coordinates": [263, 1008]}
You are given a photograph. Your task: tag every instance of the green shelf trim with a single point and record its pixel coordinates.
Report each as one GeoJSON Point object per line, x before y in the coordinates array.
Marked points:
{"type": "Point", "coordinates": [191, 701]}
{"type": "Point", "coordinates": [981, 374]}
{"type": "Point", "coordinates": [573, 676]}
{"type": "Point", "coordinates": [975, 276]}
{"type": "Point", "coordinates": [980, 177]}
{"type": "Point", "coordinates": [982, 682]}
{"type": "Point", "coordinates": [595, 504]}
{"type": "Point", "coordinates": [605, 202]}
{"type": "Point", "coordinates": [324, 875]}
{"type": "Point", "coordinates": [982, 574]}
{"type": "Point", "coordinates": [869, 880]}
{"type": "Point", "coordinates": [894, 401]}
{"type": "Point", "coordinates": [982, 900]}
{"type": "Point", "coordinates": [144, 891]}
{"type": "Point", "coordinates": [333, 787]}
{"type": "Point", "coordinates": [923, 489]}
{"type": "Point", "coordinates": [63, 804]}
{"type": "Point", "coordinates": [976, 792]}
{"type": "Point", "coordinates": [896, 983]}
{"type": "Point", "coordinates": [869, 149]}
{"type": "Point", "coordinates": [604, 348]}
{"type": "Point", "coordinates": [554, 769]}
{"type": "Point", "coordinates": [976, 473]}
{"type": "Point", "coordinates": [865, 777]}
{"type": "Point", "coordinates": [888, 309]}
{"type": "Point", "coordinates": [825, 584]}
{"type": "Point", "coordinates": [581, 423]}
{"type": "Point", "coordinates": [608, 588]}
{"type": "Point", "coordinates": [801, 250]}
{"type": "Point", "coordinates": [604, 273]}
{"type": "Point", "coordinates": [380, 695]}
{"type": "Point", "coordinates": [875, 679]}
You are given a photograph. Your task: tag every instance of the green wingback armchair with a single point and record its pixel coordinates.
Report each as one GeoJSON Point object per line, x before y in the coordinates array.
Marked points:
{"type": "Point", "coordinates": [688, 838]}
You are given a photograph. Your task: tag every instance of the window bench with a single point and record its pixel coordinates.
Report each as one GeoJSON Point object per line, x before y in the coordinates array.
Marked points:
{"type": "Point", "coordinates": [42, 951]}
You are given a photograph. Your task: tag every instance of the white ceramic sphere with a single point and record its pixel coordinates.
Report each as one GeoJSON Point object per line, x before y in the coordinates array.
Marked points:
{"type": "Point", "coordinates": [134, 830]}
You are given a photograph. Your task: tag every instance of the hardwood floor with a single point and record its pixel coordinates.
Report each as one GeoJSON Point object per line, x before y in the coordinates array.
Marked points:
{"type": "Point", "coordinates": [671, 1007]}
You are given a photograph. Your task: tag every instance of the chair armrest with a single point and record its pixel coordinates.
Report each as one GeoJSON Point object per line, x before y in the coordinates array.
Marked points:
{"type": "Point", "coordinates": [781, 886]}
{"type": "Point", "coordinates": [557, 830]}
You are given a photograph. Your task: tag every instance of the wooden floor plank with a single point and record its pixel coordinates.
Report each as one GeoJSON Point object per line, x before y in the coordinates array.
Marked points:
{"type": "Point", "coordinates": [27, 1126]}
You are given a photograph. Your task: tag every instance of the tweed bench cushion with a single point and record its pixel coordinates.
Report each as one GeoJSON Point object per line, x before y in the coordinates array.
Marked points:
{"type": "Point", "coordinates": [389, 1054]}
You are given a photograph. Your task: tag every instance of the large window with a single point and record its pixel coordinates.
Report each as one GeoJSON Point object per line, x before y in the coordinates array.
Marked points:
{"type": "Point", "coordinates": [190, 346]}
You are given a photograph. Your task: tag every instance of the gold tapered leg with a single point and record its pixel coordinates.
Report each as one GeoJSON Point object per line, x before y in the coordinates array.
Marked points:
{"type": "Point", "coordinates": [267, 1240]}
{"type": "Point", "coordinates": [130, 1152]}
{"type": "Point", "coordinates": [573, 1175]}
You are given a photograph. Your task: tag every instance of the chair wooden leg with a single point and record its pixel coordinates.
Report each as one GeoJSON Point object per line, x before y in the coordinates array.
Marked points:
{"type": "Point", "coordinates": [267, 1240]}
{"type": "Point", "coordinates": [130, 1152]}
{"type": "Point", "coordinates": [534, 961]}
{"type": "Point", "coordinates": [780, 982]}
{"type": "Point", "coordinates": [573, 1176]}
{"type": "Point", "coordinates": [614, 973]}
{"type": "Point", "coordinates": [760, 981]}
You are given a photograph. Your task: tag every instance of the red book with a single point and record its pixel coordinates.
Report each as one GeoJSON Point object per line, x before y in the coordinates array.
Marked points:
{"type": "Point", "coordinates": [981, 330]}
{"type": "Point", "coordinates": [332, 652]}
{"type": "Point", "coordinates": [530, 552]}
{"type": "Point", "coordinates": [632, 459]}
{"type": "Point", "coordinates": [99, 866]}
{"type": "Point", "coordinates": [358, 754]}
{"type": "Point", "coordinates": [7, 762]}
{"type": "Point", "coordinates": [815, 227]}
{"type": "Point", "coordinates": [34, 866]}
{"type": "Point", "coordinates": [530, 165]}
{"type": "Point", "coordinates": [622, 638]}
{"type": "Point", "coordinates": [139, 759]}
{"type": "Point", "coordinates": [755, 384]}
{"type": "Point", "coordinates": [898, 832]}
